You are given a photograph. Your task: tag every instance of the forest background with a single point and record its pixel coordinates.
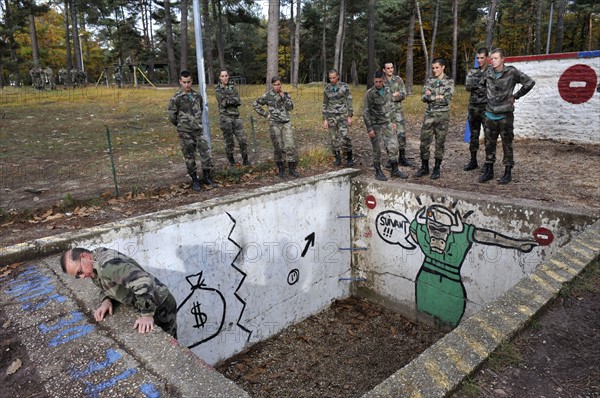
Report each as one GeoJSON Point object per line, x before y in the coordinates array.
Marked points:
{"type": "Point", "coordinates": [300, 40]}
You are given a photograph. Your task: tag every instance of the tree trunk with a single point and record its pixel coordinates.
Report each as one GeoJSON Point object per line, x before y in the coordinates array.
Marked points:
{"type": "Point", "coordinates": [371, 42]}
{"type": "Point", "coordinates": [341, 65]}
{"type": "Point", "coordinates": [184, 35]}
{"type": "Point", "coordinates": [491, 21]}
{"type": "Point", "coordinates": [75, 34]}
{"type": "Point", "coordinates": [208, 43]}
{"type": "Point", "coordinates": [424, 44]}
{"type": "Point", "coordinates": [324, 47]}
{"type": "Point", "coordinates": [273, 41]}
{"type": "Point", "coordinates": [560, 26]}
{"type": "Point", "coordinates": [338, 37]}
{"type": "Point", "coordinates": [68, 44]}
{"type": "Point", "coordinates": [35, 52]}
{"type": "Point", "coordinates": [217, 16]}
{"type": "Point", "coordinates": [354, 73]}
{"type": "Point", "coordinates": [296, 66]}
{"type": "Point", "coordinates": [410, 44]}
{"type": "Point", "coordinates": [590, 31]}
{"type": "Point", "coordinates": [455, 39]}
{"type": "Point", "coordinates": [173, 75]}
{"type": "Point", "coordinates": [538, 27]}
{"type": "Point", "coordinates": [436, 18]}
{"type": "Point", "coordinates": [292, 38]}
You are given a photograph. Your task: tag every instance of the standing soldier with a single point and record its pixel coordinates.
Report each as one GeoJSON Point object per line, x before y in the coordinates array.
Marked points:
{"type": "Point", "coordinates": [437, 93]}
{"type": "Point", "coordinates": [230, 123]}
{"type": "Point", "coordinates": [337, 117]}
{"type": "Point", "coordinates": [36, 78]}
{"type": "Point", "coordinates": [280, 104]}
{"type": "Point", "coordinates": [74, 78]}
{"type": "Point", "coordinates": [185, 112]}
{"type": "Point", "coordinates": [475, 84]}
{"type": "Point", "coordinates": [379, 117]}
{"type": "Point", "coordinates": [500, 81]}
{"type": "Point", "coordinates": [398, 89]}
{"type": "Point", "coordinates": [62, 77]}
{"type": "Point", "coordinates": [118, 76]}
{"type": "Point", "coordinates": [49, 78]}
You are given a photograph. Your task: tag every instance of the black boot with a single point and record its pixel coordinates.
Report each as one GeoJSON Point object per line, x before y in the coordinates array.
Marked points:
{"type": "Point", "coordinates": [349, 159]}
{"type": "Point", "coordinates": [435, 174]}
{"type": "Point", "coordinates": [402, 161]}
{"type": "Point", "coordinates": [396, 172]}
{"type": "Point", "coordinates": [472, 165]}
{"type": "Point", "coordinates": [231, 159]}
{"type": "Point", "coordinates": [208, 179]}
{"type": "Point", "coordinates": [292, 167]}
{"type": "Point", "coordinates": [424, 170]}
{"type": "Point", "coordinates": [245, 160]}
{"type": "Point", "coordinates": [388, 165]}
{"type": "Point", "coordinates": [507, 177]}
{"type": "Point", "coordinates": [378, 172]}
{"type": "Point", "coordinates": [338, 158]}
{"type": "Point", "coordinates": [281, 169]}
{"type": "Point", "coordinates": [196, 185]}
{"type": "Point", "coordinates": [488, 172]}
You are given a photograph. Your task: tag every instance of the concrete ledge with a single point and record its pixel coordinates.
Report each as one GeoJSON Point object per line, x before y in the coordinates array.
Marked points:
{"type": "Point", "coordinates": [440, 369]}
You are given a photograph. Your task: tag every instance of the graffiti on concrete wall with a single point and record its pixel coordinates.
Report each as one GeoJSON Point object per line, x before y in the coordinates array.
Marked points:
{"type": "Point", "coordinates": [445, 240]}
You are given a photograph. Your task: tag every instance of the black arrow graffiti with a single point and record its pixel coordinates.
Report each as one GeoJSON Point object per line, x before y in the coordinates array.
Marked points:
{"type": "Point", "coordinates": [310, 241]}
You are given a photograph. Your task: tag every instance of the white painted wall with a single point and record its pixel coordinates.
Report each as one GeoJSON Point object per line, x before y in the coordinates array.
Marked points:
{"type": "Point", "coordinates": [544, 114]}
{"type": "Point", "coordinates": [270, 228]}
{"type": "Point", "coordinates": [393, 259]}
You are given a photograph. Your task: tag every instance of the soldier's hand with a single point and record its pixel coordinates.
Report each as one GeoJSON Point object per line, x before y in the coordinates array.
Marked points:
{"type": "Point", "coordinates": [349, 121]}
{"type": "Point", "coordinates": [428, 92]}
{"type": "Point", "coordinates": [325, 124]}
{"type": "Point", "coordinates": [372, 134]}
{"type": "Point", "coordinates": [105, 307]}
{"type": "Point", "coordinates": [144, 324]}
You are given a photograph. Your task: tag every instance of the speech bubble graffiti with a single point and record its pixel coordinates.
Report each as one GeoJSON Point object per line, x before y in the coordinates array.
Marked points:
{"type": "Point", "coordinates": [394, 228]}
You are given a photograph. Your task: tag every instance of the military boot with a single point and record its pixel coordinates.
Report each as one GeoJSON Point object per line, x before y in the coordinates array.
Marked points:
{"type": "Point", "coordinates": [208, 178]}
{"type": "Point", "coordinates": [338, 158]}
{"type": "Point", "coordinates": [507, 177]}
{"type": "Point", "coordinates": [196, 185]}
{"type": "Point", "coordinates": [281, 169]}
{"type": "Point", "coordinates": [378, 172]}
{"type": "Point", "coordinates": [472, 165]}
{"type": "Point", "coordinates": [349, 159]}
{"type": "Point", "coordinates": [424, 170]}
{"type": "Point", "coordinates": [488, 173]}
{"type": "Point", "coordinates": [231, 159]}
{"type": "Point", "coordinates": [292, 168]}
{"type": "Point", "coordinates": [402, 161]}
{"type": "Point", "coordinates": [435, 174]}
{"type": "Point", "coordinates": [396, 172]}
{"type": "Point", "coordinates": [388, 165]}
{"type": "Point", "coordinates": [245, 160]}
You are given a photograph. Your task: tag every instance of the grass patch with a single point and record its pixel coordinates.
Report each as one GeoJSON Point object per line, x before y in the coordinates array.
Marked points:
{"type": "Point", "coordinates": [506, 355]}
{"type": "Point", "coordinates": [588, 280]}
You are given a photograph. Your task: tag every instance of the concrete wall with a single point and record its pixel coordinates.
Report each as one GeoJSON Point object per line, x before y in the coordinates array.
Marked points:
{"type": "Point", "coordinates": [437, 256]}
{"type": "Point", "coordinates": [246, 268]}
{"type": "Point", "coordinates": [565, 103]}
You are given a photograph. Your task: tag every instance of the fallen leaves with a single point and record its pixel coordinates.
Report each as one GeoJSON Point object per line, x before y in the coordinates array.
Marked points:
{"type": "Point", "coordinates": [16, 365]}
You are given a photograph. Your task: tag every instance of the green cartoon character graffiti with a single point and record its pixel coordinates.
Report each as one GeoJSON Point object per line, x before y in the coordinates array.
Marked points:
{"type": "Point", "coordinates": [445, 241]}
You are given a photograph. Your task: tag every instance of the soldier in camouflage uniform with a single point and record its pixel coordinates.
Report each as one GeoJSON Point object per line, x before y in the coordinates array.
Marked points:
{"type": "Point", "coordinates": [282, 136]}
{"type": "Point", "coordinates": [475, 84]}
{"type": "Point", "coordinates": [500, 81]}
{"type": "Point", "coordinates": [398, 89]}
{"type": "Point", "coordinates": [437, 93]}
{"type": "Point", "coordinates": [337, 117]}
{"type": "Point", "coordinates": [379, 117]}
{"type": "Point", "coordinates": [230, 123]}
{"type": "Point", "coordinates": [185, 112]}
{"type": "Point", "coordinates": [121, 279]}
{"type": "Point", "coordinates": [36, 78]}
{"type": "Point", "coordinates": [62, 77]}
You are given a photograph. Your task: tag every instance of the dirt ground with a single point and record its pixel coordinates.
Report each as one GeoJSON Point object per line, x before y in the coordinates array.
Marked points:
{"type": "Point", "coordinates": [562, 345]}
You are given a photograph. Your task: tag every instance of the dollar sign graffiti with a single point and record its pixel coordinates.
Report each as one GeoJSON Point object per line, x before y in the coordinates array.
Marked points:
{"type": "Point", "coordinates": [199, 316]}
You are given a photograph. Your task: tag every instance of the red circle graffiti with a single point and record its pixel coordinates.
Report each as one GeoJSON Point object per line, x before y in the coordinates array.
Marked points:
{"type": "Point", "coordinates": [371, 202]}
{"type": "Point", "coordinates": [577, 84]}
{"type": "Point", "coordinates": [543, 236]}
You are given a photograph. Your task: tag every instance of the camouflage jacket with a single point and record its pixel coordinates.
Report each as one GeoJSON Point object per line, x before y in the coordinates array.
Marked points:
{"type": "Point", "coordinates": [122, 279]}
{"type": "Point", "coordinates": [185, 111]}
{"type": "Point", "coordinates": [337, 100]}
{"type": "Point", "coordinates": [378, 108]}
{"type": "Point", "coordinates": [443, 86]}
{"type": "Point", "coordinates": [279, 106]}
{"type": "Point", "coordinates": [228, 100]}
{"type": "Point", "coordinates": [475, 84]}
{"type": "Point", "coordinates": [397, 84]}
{"type": "Point", "coordinates": [500, 87]}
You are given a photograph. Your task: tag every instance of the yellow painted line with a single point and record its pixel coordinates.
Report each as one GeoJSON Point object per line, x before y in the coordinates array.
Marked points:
{"type": "Point", "coordinates": [594, 248]}
{"type": "Point", "coordinates": [545, 285]}
{"type": "Point", "coordinates": [562, 266]}
{"type": "Point", "coordinates": [457, 358]}
{"type": "Point", "coordinates": [579, 250]}
{"type": "Point", "coordinates": [555, 276]}
{"type": "Point", "coordinates": [439, 377]}
{"type": "Point", "coordinates": [475, 345]}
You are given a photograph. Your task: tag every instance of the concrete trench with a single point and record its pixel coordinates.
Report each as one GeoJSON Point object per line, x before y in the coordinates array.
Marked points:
{"type": "Point", "coordinates": [279, 254]}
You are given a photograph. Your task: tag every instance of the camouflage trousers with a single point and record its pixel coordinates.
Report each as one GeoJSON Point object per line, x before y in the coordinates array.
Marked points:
{"type": "Point", "coordinates": [476, 122]}
{"type": "Point", "coordinates": [165, 316]}
{"type": "Point", "coordinates": [435, 127]}
{"type": "Point", "coordinates": [504, 129]}
{"type": "Point", "coordinates": [384, 135]}
{"type": "Point", "coordinates": [192, 143]}
{"type": "Point", "coordinates": [338, 133]}
{"type": "Point", "coordinates": [401, 130]}
{"type": "Point", "coordinates": [282, 137]}
{"type": "Point", "coordinates": [233, 127]}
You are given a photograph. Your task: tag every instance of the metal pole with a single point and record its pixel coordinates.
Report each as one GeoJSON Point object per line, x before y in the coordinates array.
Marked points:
{"type": "Point", "coordinates": [200, 65]}
{"type": "Point", "coordinates": [549, 28]}
{"type": "Point", "coordinates": [112, 162]}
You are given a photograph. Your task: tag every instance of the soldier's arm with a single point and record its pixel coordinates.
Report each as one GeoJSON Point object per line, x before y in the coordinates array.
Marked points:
{"type": "Point", "coordinates": [448, 91]}
{"type": "Point", "coordinates": [325, 105]}
{"type": "Point", "coordinates": [287, 102]}
{"type": "Point", "coordinates": [349, 102]}
{"type": "Point", "coordinates": [366, 113]}
{"type": "Point", "coordinates": [470, 81]}
{"type": "Point", "coordinates": [402, 89]}
{"type": "Point", "coordinates": [173, 111]}
{"type": "Point", "coordinates": [527, 84]}
{"type": "Point", "coordinates": [427, 94]}
{"type": "Point", "coordinates": [142, 285]}
{"type": "Point", "coordinates": [258, 104]}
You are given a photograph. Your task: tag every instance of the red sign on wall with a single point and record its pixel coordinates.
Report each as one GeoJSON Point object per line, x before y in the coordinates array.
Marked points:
{"type": "Point", "coordinates": [577, 84]}
{"type": "Point", "coordinates": [371, 202]}
{"type": "Point", "coordinates": [543, 236]}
